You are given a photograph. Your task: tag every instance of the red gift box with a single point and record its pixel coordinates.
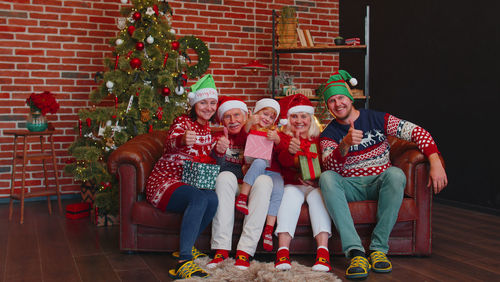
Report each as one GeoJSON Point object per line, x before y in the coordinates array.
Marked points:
{"type": "Point", "coordinates": [258, 147]}
{"type": "Point", "coordinates": [353, 41]}
{"type": "Point", "coordinates": [78, 210]}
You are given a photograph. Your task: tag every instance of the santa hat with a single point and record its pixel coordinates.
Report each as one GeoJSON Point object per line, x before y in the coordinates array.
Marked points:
{"type": "Point", "coordinates": [267, 103]}
{"type": "Point", "coordinates": [227, 103]}
{"type": "Point", "coordinates": [202, 89]}
{"type": "Point", "coordinates": [293, 104]}
{"type": "Point", "coordinates": [336, 85]}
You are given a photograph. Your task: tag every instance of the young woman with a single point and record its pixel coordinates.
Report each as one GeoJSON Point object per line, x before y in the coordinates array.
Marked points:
{"type": "Point", "coordinates": [300, 130]}
{"type": "Point", "coordinates": [189, 136]}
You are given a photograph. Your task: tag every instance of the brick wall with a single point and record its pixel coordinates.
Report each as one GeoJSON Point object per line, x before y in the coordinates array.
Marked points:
{"type": "Point", "coordinates": [57, 45]}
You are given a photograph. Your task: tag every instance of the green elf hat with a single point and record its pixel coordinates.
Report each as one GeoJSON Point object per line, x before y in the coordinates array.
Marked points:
{"type": "Point", "coordinates": [336, 85]}
{"type": "Point", "coordinates": [202, 89]}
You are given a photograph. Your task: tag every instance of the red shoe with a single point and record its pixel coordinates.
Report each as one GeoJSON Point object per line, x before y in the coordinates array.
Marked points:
{"type": "Point", "coordinates": [242, 260]}
{"type": "Point", "coordinates": [267, 238]}
{"type": "Point", "coordinates": [220, 256]}
{"type": "Point", "coordinates": [241, 203]}
{"type": "Point", "coordinates": [322, 260]}
{"type": "Point", "coordinates": [283, 259]}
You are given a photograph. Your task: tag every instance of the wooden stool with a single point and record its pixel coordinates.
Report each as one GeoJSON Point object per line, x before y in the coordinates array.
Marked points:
{"type": "Point", "coordinates": [23, 158]}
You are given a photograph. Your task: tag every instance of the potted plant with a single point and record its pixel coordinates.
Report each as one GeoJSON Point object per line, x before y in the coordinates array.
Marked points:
{"type": "Point", "coordinates": [339, 40]}
{"type": "Point", "coordinates": [40, 105]}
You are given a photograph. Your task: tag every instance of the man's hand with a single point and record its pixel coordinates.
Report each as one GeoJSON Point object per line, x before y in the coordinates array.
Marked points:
{"type": "Point", "coordinates": [222, 143]}
{"type": "Point", "coordinates": [437, 175]}
{"type": "Point", "coordinates": [294, 146]}
{"type": "Point", "coordinates": [354, 137]}
{"type": "Point", "coordinates": [189, 136]}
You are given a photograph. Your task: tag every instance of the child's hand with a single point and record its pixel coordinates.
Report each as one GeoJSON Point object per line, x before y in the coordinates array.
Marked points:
{"type": "Point", "coordinates": [273, 136]}
{"type": "Point", "coordinates": [189, 136]}
{"type": "Point", "coordinates": [253, 119]}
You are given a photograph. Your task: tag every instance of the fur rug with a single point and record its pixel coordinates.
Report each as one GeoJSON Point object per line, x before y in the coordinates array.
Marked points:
{"type": "Point", "coordinates": [262, 272]}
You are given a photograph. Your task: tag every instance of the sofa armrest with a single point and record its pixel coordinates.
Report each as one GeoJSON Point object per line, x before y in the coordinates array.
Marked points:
{"type": "Point", "coordinates": [142, 152]}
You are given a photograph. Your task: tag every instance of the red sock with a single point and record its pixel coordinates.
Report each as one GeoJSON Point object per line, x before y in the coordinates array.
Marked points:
{"type": "Point", "coordinates": [267, 238]}
{"type": "Point", "coordinates": [241, 203]}
{"type": "Point", "coordinates": [242, 260]}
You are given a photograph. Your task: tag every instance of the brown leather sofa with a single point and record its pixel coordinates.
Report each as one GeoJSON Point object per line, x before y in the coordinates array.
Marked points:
{"type": "Point", "coordinates": [144, 228]}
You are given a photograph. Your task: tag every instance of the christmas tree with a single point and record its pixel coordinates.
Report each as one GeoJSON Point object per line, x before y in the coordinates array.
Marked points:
{"type": "Point", "coordinates": [145, 80]}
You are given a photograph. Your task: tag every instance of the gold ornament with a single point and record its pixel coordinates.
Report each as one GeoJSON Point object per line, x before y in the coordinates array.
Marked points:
{"type": "Point", "coordinates": [145, 116]}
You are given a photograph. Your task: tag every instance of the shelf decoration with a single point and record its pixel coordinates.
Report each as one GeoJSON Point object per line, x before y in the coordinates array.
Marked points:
{"type": "Point", "coordinates": [287, 27]}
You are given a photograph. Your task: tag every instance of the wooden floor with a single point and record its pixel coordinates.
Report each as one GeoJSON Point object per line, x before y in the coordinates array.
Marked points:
{"type": "Point", "coordinates": [466, 247]}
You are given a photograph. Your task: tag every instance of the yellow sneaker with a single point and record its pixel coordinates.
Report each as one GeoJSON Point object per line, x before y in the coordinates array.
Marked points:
{"type": "Point", "coordinates": [187, 269]}
{"type": "Point", "coordinates": [194, 251]}
{"type": "Point", "coordinates": [380, 263]}
{"type": "Point", "coordinates": [358, 268]}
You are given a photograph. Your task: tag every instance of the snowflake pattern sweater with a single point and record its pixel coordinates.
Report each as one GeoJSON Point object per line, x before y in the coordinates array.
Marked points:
{"type": "Point", "coordinates": [167, 173]}
{"type": "Point", "coordinates": [371, 157]}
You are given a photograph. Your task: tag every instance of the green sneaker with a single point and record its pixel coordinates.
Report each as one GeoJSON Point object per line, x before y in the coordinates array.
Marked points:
{"type": "Point", "coordinates": [358, 268]}
{"type": "Point", "coordinates": [380, 263]}
{"type": "Point", "coordinates": [187, 269]}
{"type": "Point", "coordinates": [194, 251]}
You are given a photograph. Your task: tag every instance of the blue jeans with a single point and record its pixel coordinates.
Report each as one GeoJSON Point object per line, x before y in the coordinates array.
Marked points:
{"type": "Point", "coordinates": [257, 168]}
{"type": "Point", "coordinates": [387, 188]}
{"type": "Point", "coordinates": [198, 208]}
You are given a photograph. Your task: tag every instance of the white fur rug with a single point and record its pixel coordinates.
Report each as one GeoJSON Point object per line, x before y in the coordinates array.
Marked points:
{"type": "Point", "coordinates": [262, 272]}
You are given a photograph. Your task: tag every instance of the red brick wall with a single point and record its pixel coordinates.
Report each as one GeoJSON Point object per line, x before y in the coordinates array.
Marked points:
{"type": "Point", "coordinates": [57, 45]}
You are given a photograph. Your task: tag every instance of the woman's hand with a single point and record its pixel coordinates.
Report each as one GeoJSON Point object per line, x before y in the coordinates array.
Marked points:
{"type": "Point", "coordinates": [294, 146]}
{"type": "Point", "coordinates": [189, 136]}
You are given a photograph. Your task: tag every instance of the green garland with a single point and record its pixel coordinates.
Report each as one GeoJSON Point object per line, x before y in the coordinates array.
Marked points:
{"type": "Point", "coordinates": [201, 50]}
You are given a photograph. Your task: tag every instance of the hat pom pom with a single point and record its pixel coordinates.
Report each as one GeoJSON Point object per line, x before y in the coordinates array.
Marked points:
{"type": "Point", "coordinates": [353, 81]}
{"type": "Point", "coordinates": [283, 121]}
{"type": "Point", "coordinates": [191, 95]}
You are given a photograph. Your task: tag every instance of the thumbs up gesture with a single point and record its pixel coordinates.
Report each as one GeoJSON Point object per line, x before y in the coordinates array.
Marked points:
{"type": "Point", "coordinates": [354, 136]}
{"type": "Point", "coordinates": [294, 146]}
{"type": "Point", "coordinates": [223, 142]}
{"type": "Point", "coordinates": [189, 136]}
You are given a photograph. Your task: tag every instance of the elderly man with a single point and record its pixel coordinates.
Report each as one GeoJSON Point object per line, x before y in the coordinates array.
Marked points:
{"type": "Point", "coordinates": [233, 114]}
{"type": "Point", "coordinates": [355, 154]}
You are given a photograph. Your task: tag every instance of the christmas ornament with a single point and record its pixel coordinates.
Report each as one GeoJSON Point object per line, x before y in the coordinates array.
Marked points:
{"type": "Point", "coordinates": [150, 39]}
{"type": "Point", "coordinates": [136, 16]}
{"type": "Point", "coordinates": [172, 31]}
{"type": "Point", "coordinates": [110, 84]}
{"type": "Point", "coordinates": [129, 106]}
{"type": "Point", "coordinates": [116, 61]}
{"type": "Point", "coordinates": [150, 11]}
{"type": "Point", "coordinates": [139, 46]}
{"type": "Point", "coordinates": [124, 1]}
{"type": "Point", "coordinates": [159, 113]}
{"type": "Point", "coordinates": [145, 115]}
{"type": "Point", "coordinates": [80, 127]}
{"type": "Point", "coordinates": [89, 122]}
{"type": "Point", "coordinates": [116, 102]}
{"type": "Point", "coordinates": [165, 59]}
{"type": "Point", "coordinates": [119, 42]}
{"type": "Point", "coordinates": [122, 23]}
{"type": "Point", "coordinates": [175, 45]}
{"type": "Point", "coordinates": [135, 63]}
{"type": "Point", "coordinates": [131, 30]}
{"type": "Point", "coordinates": [155, 9]}
{"type": "Point", "coordinates": [179, 90]}
{"type": "Point", "coordinates": [165, 91]}
{"type": "Point", "coordinates": [150, 128]}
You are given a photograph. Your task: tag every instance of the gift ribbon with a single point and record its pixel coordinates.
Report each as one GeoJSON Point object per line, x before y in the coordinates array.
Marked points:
{"type": "Point", "coordinates": [204, 159]}
{"type": "Point", "coordinates": [305, 146]}
{"type": "Point", "coordinates": [258, 132]}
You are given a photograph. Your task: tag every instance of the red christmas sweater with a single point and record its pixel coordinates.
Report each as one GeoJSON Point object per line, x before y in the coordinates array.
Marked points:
{"type": "Point", "coordinates": [371, 157]}
{"type": "Point", "coordinates": [167, 173]}
{"type": "Point", "coordinates": [290, 169]}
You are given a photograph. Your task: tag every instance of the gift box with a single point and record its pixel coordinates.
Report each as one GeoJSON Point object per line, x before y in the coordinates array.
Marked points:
{"type": "Point", "coordinates": [258, 147]}
{"type": "Point", "coordinates": [309, 161]}
{"type": "Point", "coordinates": [78, 210]}
{"type": "Point", "coordinates": [200, 174]}
{"type": "Point", "coordinates": [353, 41]}
{"type": "Point", "coordinates": [102, 219]}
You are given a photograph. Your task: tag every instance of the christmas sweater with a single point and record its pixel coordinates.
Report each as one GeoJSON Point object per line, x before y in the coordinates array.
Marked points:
{"type": "Point", "coordinates": [290, 169]}
{"type": "Point", "coordinates": [233, 159]}
{"type": "Point", "coordinates": [371, 157]}
{"type": "Point", "coordinates": [167, 172]}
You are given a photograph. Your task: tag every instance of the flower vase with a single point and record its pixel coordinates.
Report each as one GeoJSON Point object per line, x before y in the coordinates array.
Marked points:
{"type": "Point", "coordinates": [36, 122]}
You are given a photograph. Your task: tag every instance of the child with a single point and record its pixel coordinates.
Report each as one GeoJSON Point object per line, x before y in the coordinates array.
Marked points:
{"type": "Point", "coordinates": [265, 115]}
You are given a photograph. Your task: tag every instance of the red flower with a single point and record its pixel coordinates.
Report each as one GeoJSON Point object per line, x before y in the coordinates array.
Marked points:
{"type": "Point", "coordinates": [44, 102]}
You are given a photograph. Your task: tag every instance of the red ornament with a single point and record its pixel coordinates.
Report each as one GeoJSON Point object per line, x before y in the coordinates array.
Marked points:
{"type": "Point", "coordinates": [159, 113]}
{"type": "Point", "coordinates": [165, 91]}
{"type": "Point", "coordinates": [136, 16]}
{"type": "Point", "coordinates": [165, 59]}
{"type": "Point", "coordinates": [184, 80]}
{"type": "Point", "coordinates": [150, 128]}
{"type": "Point", "coordinates": [175, 45]}
{"type": "Point", "coordinates": [116, 62]}
{"type": "Point", "coordinates": [135, 63]}
{"type": "Point", "coordinates": [139, 46]}
{"type": "Point", "coordinates": [131, 30]}
{"type": "Point", "coordinates": [113, 116]}
{"type": "Point", "coordinates": [155, 8]}
{"type": "Point", "coordinates": [89, 122]}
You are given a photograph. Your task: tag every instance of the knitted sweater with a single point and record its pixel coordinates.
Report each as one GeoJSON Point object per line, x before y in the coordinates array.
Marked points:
{"type": "Point", "coordinates": [167, 172]}
{"type": "Point", "coordinates": [371, 157]}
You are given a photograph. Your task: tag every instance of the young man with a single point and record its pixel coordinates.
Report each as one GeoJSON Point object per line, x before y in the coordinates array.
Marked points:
{"type": "Point", "coordinates": [355, 154]}
{"type": "Point", "coordinates": [233, 114]}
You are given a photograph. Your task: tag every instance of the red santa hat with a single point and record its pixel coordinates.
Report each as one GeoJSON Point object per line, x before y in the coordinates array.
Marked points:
{"type": "Point", "coordinates": [293, 104]}
{"type": "Point", "coordinates": [267, 103]}
{"type": "Point", "coordinates": [227, 103]}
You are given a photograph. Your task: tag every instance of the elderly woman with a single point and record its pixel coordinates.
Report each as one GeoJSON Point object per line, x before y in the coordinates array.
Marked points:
{"type": "Point", "coordinates": [300, 127]}
{"type": "Point", "coordinates": [189, 136]}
